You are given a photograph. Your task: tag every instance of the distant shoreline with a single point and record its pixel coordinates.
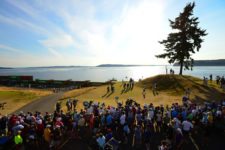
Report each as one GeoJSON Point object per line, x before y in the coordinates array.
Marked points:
{"type": "Point", "coordinates": [121, 65]}
{"type": "Point", "coordinates": [218, 62]}
{"type": "Point", "coordinates": [103, 65]}
{"type": "Point", "coordinates": [6, 68]}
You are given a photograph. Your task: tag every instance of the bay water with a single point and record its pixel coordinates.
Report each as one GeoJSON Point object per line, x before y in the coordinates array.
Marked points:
{"type": "Point", "coordinates": [102, 74]}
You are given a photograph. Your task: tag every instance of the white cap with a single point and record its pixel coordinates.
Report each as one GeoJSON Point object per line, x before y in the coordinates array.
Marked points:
{"type": "Point", "coordinates": [21, 126]}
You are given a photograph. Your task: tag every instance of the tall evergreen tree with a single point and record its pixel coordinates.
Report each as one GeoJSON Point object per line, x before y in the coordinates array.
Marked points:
{"type": "Point", "coordinates": [187, 38]}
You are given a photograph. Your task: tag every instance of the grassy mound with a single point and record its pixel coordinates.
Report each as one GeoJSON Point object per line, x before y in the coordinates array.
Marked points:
{"type": "Point", "coordinates": [171, 89]}
{"type": "Point", "coordinates": [176, 85]}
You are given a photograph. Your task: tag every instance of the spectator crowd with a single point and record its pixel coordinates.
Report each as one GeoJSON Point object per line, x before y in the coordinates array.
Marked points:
{"type": "Point", "coordinates": [127, 126]}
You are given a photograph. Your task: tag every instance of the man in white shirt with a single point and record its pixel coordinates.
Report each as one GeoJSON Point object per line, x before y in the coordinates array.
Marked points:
{"type": "Point", "coordinates": [177, 123]}
{"type": "Point", "coordinates": [90, 110]}
{"type": "Point", "coordinates": [187, 126]}
{"type": "Point", "coordinates": [123, 119]}
{"type": "Point", "coordinates": [151, 114]}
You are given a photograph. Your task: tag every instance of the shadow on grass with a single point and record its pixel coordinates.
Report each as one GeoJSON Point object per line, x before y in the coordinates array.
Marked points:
{"type": "Point", "coordinates": [109, 94]}
{"type": "Point", "coordinates": [126, 90]}
{"type": "Point", "coordinates": [210, 94]}
{"type": "Point", "coordinates": [105, 94]}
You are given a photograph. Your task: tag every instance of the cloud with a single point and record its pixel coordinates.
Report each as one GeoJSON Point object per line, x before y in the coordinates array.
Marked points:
{"type": "Point", "coordinates": [105, 31]}
{"type": "Point", "coordinates": [58, 42]}
{"type": "Point", "coordinates": [135, 30]}
{"type": "Point", "coordinates": [11, 56]}
{"type": "Point", "coordinates": [25, 7]}
{"type": "Point", "coordinates": [54, 36]}
{"type": "Point", "coordinates": [134, 34]}
{"type": "Point", "coordinates": [55, 53]}
{"type": "Point", "coordinates": [10, 49]}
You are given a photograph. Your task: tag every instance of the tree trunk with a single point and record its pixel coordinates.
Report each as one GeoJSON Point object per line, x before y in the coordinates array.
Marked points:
{"type": "Point", "coordinates": [181, 67]}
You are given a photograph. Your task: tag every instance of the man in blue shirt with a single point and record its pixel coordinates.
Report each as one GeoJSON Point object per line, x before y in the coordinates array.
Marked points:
{"type": "Point", "coordinates": [109, 119]}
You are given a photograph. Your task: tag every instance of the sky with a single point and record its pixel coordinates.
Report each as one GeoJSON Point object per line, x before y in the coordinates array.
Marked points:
{"type": "Point", "coordinates": [93, 32]}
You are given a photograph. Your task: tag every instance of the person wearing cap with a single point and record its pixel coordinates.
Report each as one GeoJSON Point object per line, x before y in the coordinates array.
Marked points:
{"type": "Point", "coordinates": [18, 140]}
{"type": "Point", "coordinates": [17, 128]}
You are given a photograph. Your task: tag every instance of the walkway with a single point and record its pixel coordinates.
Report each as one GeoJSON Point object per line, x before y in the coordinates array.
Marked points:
{"type": "Point", "coordinates": [44, 104]}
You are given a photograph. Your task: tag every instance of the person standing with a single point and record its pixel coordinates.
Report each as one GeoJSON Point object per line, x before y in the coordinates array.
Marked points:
{"type": "Point", "coordinates": [137, 138]}
{"type": "Point", "coordinates": [222, 83]}
{"type": "Point", "coordinates": [166, 70]}
{"type": "Point", "coordinates": [101, 141]}
{"type": "Point", "coordinates": [210, 77]}
{"type": "Point", "coordinates": [187, 126]}
{"type": "Point", "coordinates": [188, 92]}
{"type": "Point", "coordinates": [108, 89]}
{"type": "Point", "coordinates": [47, 135]}
{"type": "Point", "coordinates": [154, 89]}
{"type": "Point", "coordinates": [144, 93]}
{"type": "Point", "coordinates": [122, 119]}
{"type": "Point", "coordinates": [18, 140]}
{"type": "Point", "coordinates": [147, 137]}
{"type": "Point", "coordinates": [179, 139]}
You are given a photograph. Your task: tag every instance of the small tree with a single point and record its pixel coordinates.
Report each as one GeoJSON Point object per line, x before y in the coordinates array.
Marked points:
{"type": "Point", "coordinates": [185, 41]}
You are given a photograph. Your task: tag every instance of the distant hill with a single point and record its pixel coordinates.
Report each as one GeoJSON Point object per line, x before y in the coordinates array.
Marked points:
{"type": "Point", "coordinates": [43, 67]}
{"type": "Point", "coordinates": [5, 68]}
{"type": "Point", "coordinates": [114, 65]}
{"type": "Point", "coordinates": [54, 67]}
{"type": "Point", "coordinates": [218, 62]}
{"type": "Point", "coordinates": [119, 65]}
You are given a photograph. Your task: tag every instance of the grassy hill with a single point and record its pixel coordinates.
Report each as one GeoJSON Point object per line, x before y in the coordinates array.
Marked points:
{"type": "Point", "coordinates": [171, 89]}
{"type": "Point", "coordinates": [176, 85]}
